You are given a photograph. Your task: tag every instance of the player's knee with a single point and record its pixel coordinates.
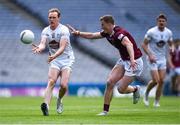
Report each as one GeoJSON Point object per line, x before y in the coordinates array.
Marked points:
{"type": "Point", "coordinates": [121, 90]}
{"type": "Point", "coordinates": [110, 83]}
{"type": "Point", "coordinates": [51, 83]}
{"type": "Point", "coordinates": [161, 81]}
{"type": "Point", "coordinates": [156, 81]}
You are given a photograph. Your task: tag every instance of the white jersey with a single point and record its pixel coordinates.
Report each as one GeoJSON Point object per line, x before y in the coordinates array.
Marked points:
{"type": "Point", "coordinates": [53, 38]}
{"type": "Point", "coordinates": [158, 41]}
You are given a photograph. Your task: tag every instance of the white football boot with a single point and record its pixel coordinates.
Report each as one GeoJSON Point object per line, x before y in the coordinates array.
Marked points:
{"type": "Point", "coordinates": [136, 95]}
{"type": "Point", "coordinates": [60, 108]}
{"type": "Point", "coordinates": [156, 104]}
{"type": "Point", "coordinates": [104, 113]}
{"type": "Point", "coordinates": [146, 101]}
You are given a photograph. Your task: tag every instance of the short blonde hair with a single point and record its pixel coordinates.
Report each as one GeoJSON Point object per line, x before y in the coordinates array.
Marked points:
{"type": "Point", "coordinates": [55, 10]}
{"type": "Point", "coordinates": [107, 19]}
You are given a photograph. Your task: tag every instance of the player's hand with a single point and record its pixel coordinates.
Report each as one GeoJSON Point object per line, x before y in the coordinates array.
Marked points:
{"type": "Point", "coordinates": [152, 58]}
{"type": "Point", "coordinates": [50, 58]}
{"type": "Point", "coordinates": [172, 66]}
{"type": "Point", "coordinates": [36, 49]}
{"type": "Point", "coordinates": [133, 64]}
{"type": "Point", "coordinates": [73, 30]}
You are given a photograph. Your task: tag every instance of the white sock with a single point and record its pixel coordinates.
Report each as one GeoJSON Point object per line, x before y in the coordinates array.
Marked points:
{"type": "Point", "coordinates": [48, 106]}
{"type": "Point", "coordinates": [156, 102]}
{"type": "Point", "coordinates": [59, 99]}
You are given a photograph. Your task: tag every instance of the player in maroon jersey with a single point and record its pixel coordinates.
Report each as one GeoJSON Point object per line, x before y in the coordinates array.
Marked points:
{"type": "Point", "coordinates": [174, 63]}
{"type": "Point", "coordinates": [129, 65]}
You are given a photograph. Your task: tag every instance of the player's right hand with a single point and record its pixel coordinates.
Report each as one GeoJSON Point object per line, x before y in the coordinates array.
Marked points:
{"type": "Point", "coordinates": [172, 66]}
{"type": "Point", "coordinates": [36, 49]}
{"type": "Point", "coordinates": [73, 30]}
{"type": "Point", "coordinates": [133, 65]}
{"type": "Point", "coordinates": [152, 58]}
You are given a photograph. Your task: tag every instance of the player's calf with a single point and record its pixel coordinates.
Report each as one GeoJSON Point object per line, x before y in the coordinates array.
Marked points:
{"type": "Point", "coordinates": [122, 90]}
{"type": "Point", "coordinates": [64, 87]}
{"type": "Point", "coordinates": [48, 91]}
{"type": "Point", "coordinates": [62, 91]}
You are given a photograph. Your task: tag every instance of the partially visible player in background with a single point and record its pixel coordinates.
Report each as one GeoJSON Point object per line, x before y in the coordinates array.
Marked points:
{"type": "Point", "coordinates": [154, 45]}
{"type": "Point", "coordinates": [174, 63]}
{"type": "Point", "coordinates": [127, 67]}
{"type": "Point", "coordinates": [60, 59]}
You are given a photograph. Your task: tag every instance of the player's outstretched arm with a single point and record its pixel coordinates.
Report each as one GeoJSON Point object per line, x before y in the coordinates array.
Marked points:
{"type": "Point", "coordinates": [87, 35]}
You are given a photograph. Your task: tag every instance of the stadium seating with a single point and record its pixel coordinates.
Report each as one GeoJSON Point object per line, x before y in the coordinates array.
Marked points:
{"type": "Point", "coordinates": [84, 15]}
{"type": "Point", "coordinates": [132, 15]}
{"type": "Point", "coordinates": [19, 65]}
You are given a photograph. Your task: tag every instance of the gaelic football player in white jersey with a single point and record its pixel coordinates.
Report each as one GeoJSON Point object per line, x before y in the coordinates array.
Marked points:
{"type": "Point", "coordinates": [155, 46]}
{"type": "Point", "coordinates": [60, 58]}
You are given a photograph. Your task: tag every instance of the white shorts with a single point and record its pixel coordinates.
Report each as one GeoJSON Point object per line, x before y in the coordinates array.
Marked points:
{"type": "Point", "coordinates": [177, 70]}
{"type": "Point", "coordinates": [160, 64]}
{"type": "Point", "coordinates": [128, 69]}
{"type": "Point", "coordinates": [61, 64]}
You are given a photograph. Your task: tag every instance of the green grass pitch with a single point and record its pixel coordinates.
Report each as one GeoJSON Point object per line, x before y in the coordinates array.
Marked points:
{"type": "Point", "coordinates": [82, 110]}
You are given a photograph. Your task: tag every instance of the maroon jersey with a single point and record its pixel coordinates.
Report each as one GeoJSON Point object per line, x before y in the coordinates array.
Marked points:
{"type": "Point", "coordinates": [116, 38]}
{"type": "Point", "coordinates": [176, 57]}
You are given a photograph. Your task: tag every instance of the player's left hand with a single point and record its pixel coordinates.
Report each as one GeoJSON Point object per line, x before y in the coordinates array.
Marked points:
{"type": "Point", "coordinates": [133, 64]}
{"type": "Point", "coordinates": [50, 58]}
{"type": "Point", "coordinates": [73, 30]}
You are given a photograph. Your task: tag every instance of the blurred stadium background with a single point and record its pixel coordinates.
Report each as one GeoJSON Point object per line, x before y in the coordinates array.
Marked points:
{"type": "Point", "coordinates": [23, 73]}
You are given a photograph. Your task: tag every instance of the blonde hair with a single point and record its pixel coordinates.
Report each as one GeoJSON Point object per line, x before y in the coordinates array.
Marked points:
{"type": "Point", "coordinates": [55, 10]}
{"type": "Point", "coordinates": [107, 19]}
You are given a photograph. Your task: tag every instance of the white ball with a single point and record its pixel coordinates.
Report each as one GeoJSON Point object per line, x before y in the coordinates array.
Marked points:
{"type": "Point", "coordinates": [27, 36]}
